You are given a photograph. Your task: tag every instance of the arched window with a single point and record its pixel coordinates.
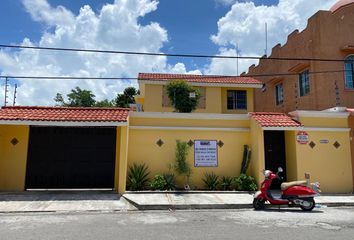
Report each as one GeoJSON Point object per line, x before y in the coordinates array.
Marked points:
{"type": "Point", "coordinates": [349, 72]}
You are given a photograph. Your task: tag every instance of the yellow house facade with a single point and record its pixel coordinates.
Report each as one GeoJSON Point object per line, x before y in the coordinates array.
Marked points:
{"type": "Point", "coordinates": [93, 148]}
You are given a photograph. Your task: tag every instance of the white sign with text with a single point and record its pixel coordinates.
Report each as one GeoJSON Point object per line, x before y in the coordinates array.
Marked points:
{"type": "Point", "coordinates": [205, 153]}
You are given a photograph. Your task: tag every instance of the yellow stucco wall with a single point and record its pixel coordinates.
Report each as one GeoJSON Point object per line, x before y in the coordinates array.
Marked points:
{"type": "Point", "coordinates": [122, 156]}
{"type": "Point", "coordinates": [291, 156]}
{"type": "Point", "coordinates": [216, 100]}
{"type": "Point", "coordinates": [189, 122]}
{"type": "Point", "coordinates": [257, 163]}
{"type": "Point", "coordinates": [143, 149]}
{"type": "Point", "coordinates": [330, 166]}
{"type": "Point", "coordinates": [153, 98]}
{"type": "Point", "coordinates": [13, 158]}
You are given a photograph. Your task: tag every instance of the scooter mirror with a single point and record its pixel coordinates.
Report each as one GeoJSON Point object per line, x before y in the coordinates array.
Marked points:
{"type": "Point", "coordinates": [280, 169]}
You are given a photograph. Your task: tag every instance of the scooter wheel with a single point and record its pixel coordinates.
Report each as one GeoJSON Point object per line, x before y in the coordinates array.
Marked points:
{"type": "Point", "coordinates": [258, 204]}
{"type": "Point", "coordinates": [310, 206]}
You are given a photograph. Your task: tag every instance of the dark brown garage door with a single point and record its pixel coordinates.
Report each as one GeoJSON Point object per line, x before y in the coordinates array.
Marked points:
{"type": "Point", "coordinates": [67, 157]}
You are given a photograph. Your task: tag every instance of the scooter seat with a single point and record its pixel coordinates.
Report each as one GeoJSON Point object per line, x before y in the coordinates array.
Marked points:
{"type": "Point", "coordinates": [286, 185]}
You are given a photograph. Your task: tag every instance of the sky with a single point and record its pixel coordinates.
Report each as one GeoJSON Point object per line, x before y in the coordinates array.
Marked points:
{"type": "Point", "coordinates": [207, 27]}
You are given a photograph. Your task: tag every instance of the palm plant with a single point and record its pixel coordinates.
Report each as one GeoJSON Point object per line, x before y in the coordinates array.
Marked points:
{"type": "Point", "coordinates": [211, 181]}
{"type": "Point", "coordinates": [138, 177]}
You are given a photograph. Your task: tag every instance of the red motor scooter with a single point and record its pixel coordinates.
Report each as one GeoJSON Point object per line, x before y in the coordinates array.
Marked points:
{"type": "Point", "coordinates": [294, 194]}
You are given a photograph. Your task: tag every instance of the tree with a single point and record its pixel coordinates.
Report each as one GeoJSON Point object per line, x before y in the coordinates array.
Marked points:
{"type": "Point", "coordinates": [180, 94]}
{"type": "Point", "coordinates": [77, 98]}
{"type": "Point", "coordinates": [126, 98]}
{"type": "Point", "coordinates": [105, 103]}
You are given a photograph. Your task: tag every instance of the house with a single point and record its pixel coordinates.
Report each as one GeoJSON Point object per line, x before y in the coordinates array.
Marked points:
{"type": "Point", "coordinates": [307, 84]}
{"type": "Point", "coordinates": [228, 95]}
{"type": "Point", "coordinates": [56, 147]}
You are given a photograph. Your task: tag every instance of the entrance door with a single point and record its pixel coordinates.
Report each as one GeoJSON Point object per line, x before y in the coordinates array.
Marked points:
{"type": "Point", "coordinates": [274, 151]}
{"type": "Point", "coordinates": [66, 157]}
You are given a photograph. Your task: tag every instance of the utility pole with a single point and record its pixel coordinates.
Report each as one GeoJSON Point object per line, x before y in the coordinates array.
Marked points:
{"type": "Point", "coordinates": [266, 40]}
{"type": "Point", "coordinates": [6, 91]}
{"type": "Point", "coordinates": [237, 53]}
{"type": "Point", "coordinates": [15, 92]}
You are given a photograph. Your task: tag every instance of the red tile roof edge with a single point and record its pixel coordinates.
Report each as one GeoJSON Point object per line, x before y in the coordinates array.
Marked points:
{"type": "Point", "coordinates": [63, 114]}
{"type": "Point", "coordinates": [64, 108]}
{"type": "Point", "coordinates": [295, 123]}
{"type": "Point", "coordinates": [171, 76]}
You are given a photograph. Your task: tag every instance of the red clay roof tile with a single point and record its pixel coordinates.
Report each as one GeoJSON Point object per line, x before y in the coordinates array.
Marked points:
{"type": "Point", "coordinates": [272, 119]}
{"type": "Point", "coordinates": [64, 114]}
{"type": "Point", "coordinates": [198, 78]}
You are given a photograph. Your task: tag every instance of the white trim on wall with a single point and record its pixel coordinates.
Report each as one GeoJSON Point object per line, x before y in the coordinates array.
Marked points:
{"type": "Point", "coordinates": [63, 124]}
{"type": "Point", "coordinates": [320, 114]}
{"type": "Point", "coordinates": [189, 128]}
{"type": "Point", "coordinates": [201, 84]}
{"type": "Point", "coordinates": [313, 129]}
{"type": "Point", "coordinates": [200, 116]}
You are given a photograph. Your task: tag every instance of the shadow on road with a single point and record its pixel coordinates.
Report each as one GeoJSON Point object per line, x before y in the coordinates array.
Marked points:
{"type": "Point", "coordinates": [59, 196]}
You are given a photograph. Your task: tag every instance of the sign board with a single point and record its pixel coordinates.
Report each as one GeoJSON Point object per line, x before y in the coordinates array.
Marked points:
{"type": "Point", "coordinates": [302, 137]}
{"type": "Point", "coordinates": [205, 153]}
{"type": "Point", "coordinates": [324, 141]}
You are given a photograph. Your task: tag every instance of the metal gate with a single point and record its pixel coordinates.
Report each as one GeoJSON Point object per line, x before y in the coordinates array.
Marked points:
{"type": "Point", "coordinates": [70, 157]}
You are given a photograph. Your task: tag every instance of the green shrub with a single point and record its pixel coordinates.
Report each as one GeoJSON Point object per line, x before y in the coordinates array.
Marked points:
{"type": "Point", "coordinates": [245, 183]}
{"type": "Point", "coordinates": [226, 183]}
{"type": "Point", "coordinates": [211, 181]}
{"type": "Point", "coordinates": [181, 165]}
{"type": "Point", "coordinates": [158, 182]}
{"type": "Point", "coordinates": [179, 94]}
{"type": "Point", "coordinates": [170, 181]}
{"type": "Point", "coordinates": [137, 177]}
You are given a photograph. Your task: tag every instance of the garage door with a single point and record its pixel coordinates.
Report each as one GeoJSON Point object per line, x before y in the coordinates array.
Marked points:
{"type": "Point", "coordinates": [65, 157]}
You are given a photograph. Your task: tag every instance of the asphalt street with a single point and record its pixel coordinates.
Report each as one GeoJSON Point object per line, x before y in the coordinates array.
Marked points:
{"type": "Point", "coordinates": [323, 223]}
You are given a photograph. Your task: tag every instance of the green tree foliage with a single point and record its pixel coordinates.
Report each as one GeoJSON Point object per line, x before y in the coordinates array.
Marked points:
{"type": "Point", "coordinates": [81, 98]}
{"type": "Point", "coordinates": [105, 103]}
{"type": "Point", "coordinates": [77, 98]}
{"type": "Point", "coordinates": [179, 94]}
{"type": "Point", "coordinates": [126, 98]}
{"type": "Point", "coordinates": [85, 98]}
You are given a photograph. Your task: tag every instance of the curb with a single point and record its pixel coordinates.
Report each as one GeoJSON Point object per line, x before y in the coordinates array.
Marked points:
{"type": "Point", "coordinates": [145, 207]}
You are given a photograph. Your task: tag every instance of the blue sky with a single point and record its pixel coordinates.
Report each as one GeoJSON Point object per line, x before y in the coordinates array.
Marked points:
{"type": "Point", "coordinates": [190, 23]}
{"type": "Point", "coordinates": [172, 26]}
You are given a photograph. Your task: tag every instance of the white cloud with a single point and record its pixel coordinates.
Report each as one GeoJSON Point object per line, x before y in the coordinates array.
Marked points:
{"type": "Point", "coordinates": [244, 25]}
{"type": "Point", "coordinates": [225, 2]}
{"type": "Point", "coordinates": [114, 27]}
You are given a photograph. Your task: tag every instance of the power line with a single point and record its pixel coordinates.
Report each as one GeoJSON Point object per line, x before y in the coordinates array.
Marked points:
{"type": "Point", "coordinates": [170, 54]}
{"type": "Point", "coordinates": [154, 79]}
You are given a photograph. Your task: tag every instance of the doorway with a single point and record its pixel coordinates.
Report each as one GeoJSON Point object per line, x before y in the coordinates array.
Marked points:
{"type": "Point", "coordinates": [274, 153]}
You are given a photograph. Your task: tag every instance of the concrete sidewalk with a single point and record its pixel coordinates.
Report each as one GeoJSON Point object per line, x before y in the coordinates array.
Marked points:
{"type": "Point", "coordinates": [103, 201]}
{"type": "Point", "coordinates": [213, 200]}
{"type": "Point", "coordinates": [61, 201]}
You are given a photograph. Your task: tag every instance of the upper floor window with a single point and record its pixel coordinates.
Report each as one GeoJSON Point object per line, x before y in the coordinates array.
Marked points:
{"type": "Point", "coordinates": [349, 72]}
{"type": "Point", "coordinates": [279, 97]}
{"type": "Point", "coordinates": [304, 83]}
{"type": "Point", "coordinates": [236, 99]}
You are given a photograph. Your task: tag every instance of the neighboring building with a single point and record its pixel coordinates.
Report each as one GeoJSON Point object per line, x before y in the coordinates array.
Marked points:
{"type": "Point", "coordinates": [218, 94]}
{"type": "Point", "coordinates": [328, 35]}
